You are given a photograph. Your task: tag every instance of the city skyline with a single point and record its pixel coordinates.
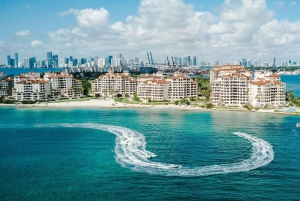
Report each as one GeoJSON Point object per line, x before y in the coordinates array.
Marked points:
{"type": "Point", "coordinates": [218, 30]}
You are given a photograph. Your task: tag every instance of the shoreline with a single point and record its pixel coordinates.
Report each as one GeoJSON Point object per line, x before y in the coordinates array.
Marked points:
{"type": "Point", "coordinates": [111, 104]}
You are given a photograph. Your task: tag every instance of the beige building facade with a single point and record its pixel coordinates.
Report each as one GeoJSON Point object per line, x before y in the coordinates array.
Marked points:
{"type": "Point", "coordinates": [236, 85]}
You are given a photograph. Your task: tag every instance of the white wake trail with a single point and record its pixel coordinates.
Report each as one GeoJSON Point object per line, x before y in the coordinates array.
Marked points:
{"type": "Point", "coordinates": [131, 153]}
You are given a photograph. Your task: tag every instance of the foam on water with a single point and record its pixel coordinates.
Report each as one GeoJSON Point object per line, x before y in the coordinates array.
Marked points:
{"type": "Point", "coordinates": [131, 153]}
{"type": "Point", "coordinates": [130, 150]}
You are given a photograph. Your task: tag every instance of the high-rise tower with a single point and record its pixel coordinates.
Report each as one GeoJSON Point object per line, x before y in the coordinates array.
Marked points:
{"type": "Point", "coordinates": [16, 60]}
{"type": "Point", "coordinates": [8, 60]}
{"type": "Point", "coordinates": [49, 59]}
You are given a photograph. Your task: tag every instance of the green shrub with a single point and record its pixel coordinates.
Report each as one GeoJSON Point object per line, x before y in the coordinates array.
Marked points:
{"type": "Point", "coordinates": [209, 105]}
{"type": "Point", "coordinates": [8, 101]}
{"type": "Point", "coordinates": [28, 102]}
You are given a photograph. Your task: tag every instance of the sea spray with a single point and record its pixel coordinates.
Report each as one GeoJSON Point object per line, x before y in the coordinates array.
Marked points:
{"type": "Point", "coordinates": [131, 153]}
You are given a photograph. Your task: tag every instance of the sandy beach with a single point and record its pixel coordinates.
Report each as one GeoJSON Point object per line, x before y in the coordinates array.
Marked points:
{"type": "Point", "coordinates": [107, 104]}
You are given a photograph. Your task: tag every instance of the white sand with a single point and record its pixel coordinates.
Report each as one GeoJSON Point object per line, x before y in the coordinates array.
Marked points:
{"type": "Point", "coordinates": [97, 103]}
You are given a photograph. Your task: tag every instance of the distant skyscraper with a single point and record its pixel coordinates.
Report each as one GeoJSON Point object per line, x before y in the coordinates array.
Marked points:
{"type": "Point", "coordinates": [274, 62]}
{"type": "Point", "coordinates": [61, 63]}
{"type": "Point", "coordinates": [83, 60]}
{"type": "Point", "coordinates": [16, 60]}
{"type": "Point", "coordinates": [8, 60]}
{"type": "Point", "coordinates": [26, 63]}
{"type": "Point", "coordinates": [32, 62]}
{"type": "Point", "coordinates": [49, 59]}
{"type": "Point", "coordinates": [188, 62]}
{"type": "Point", "coordinates": [136, 60]}
{"type": "Point", "coordinates": [184, 62]}
{"type": "Point", "coordinates": [55, 60]}
{"type": "Point", "coordinates": [109, 60]}
{"type": "Point", "coordinates": [75, 62]}
{"type": "Point", "coordinates": [194, 61]}
{"type": "Point", "coordinates": [12, 62]}
{"type": "Point", "coordinates": [244, 62]}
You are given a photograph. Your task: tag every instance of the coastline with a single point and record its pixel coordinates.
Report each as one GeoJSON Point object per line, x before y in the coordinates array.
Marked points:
{"type": "Point", "coordinates": [111, 104]}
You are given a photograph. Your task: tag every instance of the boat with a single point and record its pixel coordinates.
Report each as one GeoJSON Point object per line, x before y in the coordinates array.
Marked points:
{"type": "Point", "coordinates": [298, 125]}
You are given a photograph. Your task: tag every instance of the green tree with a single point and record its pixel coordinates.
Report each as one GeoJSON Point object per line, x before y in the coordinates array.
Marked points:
{"type": "Point", "coordinates": [86, 86]}
{"type": "Point", "coordinates": [135, 97]}
{"type": "Point", "coordinates": [204, 87]}
{"type": "Point", "coordinates": [291, 99]}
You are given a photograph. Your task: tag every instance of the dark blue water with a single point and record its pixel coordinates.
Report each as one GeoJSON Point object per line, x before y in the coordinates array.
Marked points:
{"type": "Point", "coordinates": [17, 71]}
{"type": "Point", "coordinates": [41, 160]}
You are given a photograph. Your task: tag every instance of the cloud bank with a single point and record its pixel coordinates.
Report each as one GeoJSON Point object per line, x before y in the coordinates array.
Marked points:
{"type": "Point", "coordinates": [241, 29]}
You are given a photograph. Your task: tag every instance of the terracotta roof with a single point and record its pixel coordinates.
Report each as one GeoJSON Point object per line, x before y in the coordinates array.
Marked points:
{"type": "Point", "coordinates": [237, 75]}
{"type": "Point", "coordinates": [150, 76]}
{"type": "Point", "coordinates": [265, 82]}
{"type": "Point", "coordinates": [156, 81]}
{"type": "Point", "coordinates": [8, 79]}
{"type": "Point", "coordinates": [38, 81]}
{"type": "Point", "coordinates": [274, 75]}
{"type": "Point", "coordinates": [178, 77]}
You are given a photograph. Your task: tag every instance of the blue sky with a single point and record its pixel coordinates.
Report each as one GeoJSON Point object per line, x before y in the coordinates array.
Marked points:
{"type": "Point", "coordinates": [223, 30]}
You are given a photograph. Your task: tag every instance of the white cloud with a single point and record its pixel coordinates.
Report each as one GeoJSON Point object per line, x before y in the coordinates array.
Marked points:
{"type": "Point", "coordinates": [90, 18]}
{"type": "Point", "coordinates": [293, 3]}
{"type": "Point", "coordinates": [35, 43]}
{"type": "Point", "coordinates": [243, 28]}
{"type": "Point", "coordinates": [68, 12]}
{"type": "Point", "coordinates": [23, 33]}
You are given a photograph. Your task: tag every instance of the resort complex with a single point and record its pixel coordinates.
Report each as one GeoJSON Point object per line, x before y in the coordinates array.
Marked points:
{"type": "Point", "coordinates": [231, 85]}
{"type": "Point", "coordinates": [236, 85]}
{"type": "Point", "coordinates": [111, 83]}
{"type": "Point", "coordinates": [148, 86]}
{"type": "Point", "coordinates": [30, 86]}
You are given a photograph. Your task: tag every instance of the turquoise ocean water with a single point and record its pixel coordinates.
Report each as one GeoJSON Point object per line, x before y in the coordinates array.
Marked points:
{"type": "Point", "coordinates": [100, 154]}
{"type": "Point", "coordinates": [292, 83]}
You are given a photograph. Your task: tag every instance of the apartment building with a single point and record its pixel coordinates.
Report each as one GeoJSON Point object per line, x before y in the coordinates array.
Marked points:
{"type": "Point", "coordinates": [31, 89]}
{"type": "Point", "coordinates": [234, 85]}
{"type": "Point", "coordinates": [230, 85]}
{"type": "Point", "coordinates": [267, 90]}
{"type": "Point", "coordinates": [29, 86]}
{"type": "Point", "coordinates": [181, 86]}
{"type": "Point", "coordinates": [153, 89]}
{"type": "Point", "coordinates": [6, 85]}
{"type": "Point", "coordinates": [114, 83]}
{"type": "Point", "coordinates": [2, 75]}
{"type": "Point", "coordinates": [63, 85]}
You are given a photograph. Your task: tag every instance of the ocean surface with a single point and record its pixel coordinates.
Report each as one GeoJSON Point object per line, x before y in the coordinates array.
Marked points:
{"type": "Point", "coordinates": [17, 71]}
{"type": "Point", "coordinates": [147, 154]}
{"type": "Point", "coordinates": [292, 83]}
